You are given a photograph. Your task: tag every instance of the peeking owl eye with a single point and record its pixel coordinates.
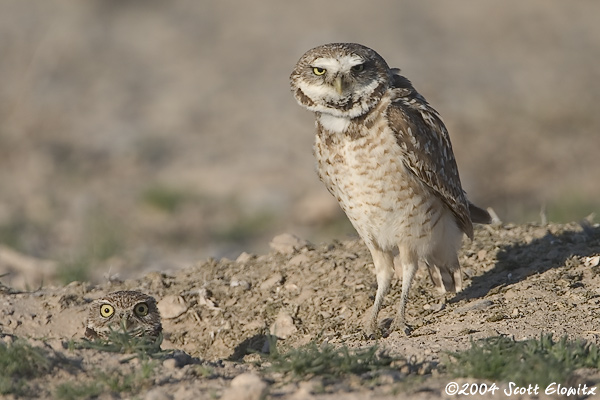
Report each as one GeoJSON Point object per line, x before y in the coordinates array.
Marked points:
{"type": "Point", "coordinates": [319, 71]}
{"type": "Point", "coordinates": [358, 68]}
{"type": "Point", "coordinates": [141, 309]}
{"type": "Point", "coordinates": [106, 310]}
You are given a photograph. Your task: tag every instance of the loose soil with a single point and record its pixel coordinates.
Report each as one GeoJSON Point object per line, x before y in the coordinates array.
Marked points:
{"type": "Point", "coordinates": [521, 281]}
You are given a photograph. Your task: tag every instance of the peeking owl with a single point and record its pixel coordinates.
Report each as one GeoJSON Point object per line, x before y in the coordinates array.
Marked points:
{"type": "Point", "coordinates": [133, 311]}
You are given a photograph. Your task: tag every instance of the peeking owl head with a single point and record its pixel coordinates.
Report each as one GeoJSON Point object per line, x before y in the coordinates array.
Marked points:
{"type": "Point", "coordinates": [134, 312]}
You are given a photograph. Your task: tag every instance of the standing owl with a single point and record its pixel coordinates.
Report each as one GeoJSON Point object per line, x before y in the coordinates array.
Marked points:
{"type": "Point", "coordinates": [133, 311]}
{"type": "Point", "coordinates": [385, 154]}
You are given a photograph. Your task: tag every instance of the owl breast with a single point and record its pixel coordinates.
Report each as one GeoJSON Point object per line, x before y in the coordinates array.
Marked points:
{"type": "Point", "coordinates": [363, 167]}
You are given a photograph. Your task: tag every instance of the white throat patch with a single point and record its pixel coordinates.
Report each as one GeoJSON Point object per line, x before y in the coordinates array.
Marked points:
{"type": "Point", "coordinates": [333, 123]}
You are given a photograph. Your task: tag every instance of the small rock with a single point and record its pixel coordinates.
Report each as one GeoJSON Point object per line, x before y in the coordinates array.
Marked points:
{"type": "Point", "coordinates": [244, 257]}
{"type": "Point", "coordinates": [436, 307]}
{"type": "Point", "coordinates": [305, 295]}
{"type": "Point", "coordinates": [405, 369]}
{"type": "Point", "coordinates": [481, 254]}
{"type": "Point", "coordinates": [283, 327]}
{"type": "Point", "coordinates": [299, 259]}
{"type": "Point", "coordinates": [276, 279]}
{"type": "Point", "coordinates": [205, 300]}
{"type": "Point", "coordinates": [236, 282]}
{"type": "Point", "coordinates": [478, 305]}
{"type": "Point", "coordinates": [231, 302]}
{"type": "Point", "coordinates": [172, 306]}
{"type": "Point", "coordinates": [292, 287]}
{"type": "Point", "coordinates": [326, 315]}
{"type": "Point", "coordinates": [170, 363]}
{"type": "Point", "coordinates": [287, 243]}
{"type": "Point", "coordinates": [591, 261]}
{"type": "Point", "coordinates": [247, 386]}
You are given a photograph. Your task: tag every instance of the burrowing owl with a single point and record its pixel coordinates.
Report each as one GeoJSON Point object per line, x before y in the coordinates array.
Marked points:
{"type": "Point", "coordinates": [133, 311]}
{"type": "Point", "coordinates": [385, 154]}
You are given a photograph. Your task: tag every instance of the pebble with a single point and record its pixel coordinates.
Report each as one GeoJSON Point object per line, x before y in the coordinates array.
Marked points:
{"type": "Point", "coordinates": [170, 363]}
{"type": "Point", "coordinates": [481, 254]}
{"type": "Point", "coordinates": [478, 305]}
{"type": "Point", "coordinates": [244, 258]}
{"type": "Point", "coordinates": [237, 282]}
{"type": "Point", "coordinates": [287, 243]}
{"type": "Point", "coordinates": [591, 261]}
{"type": "Point", "coordinates": [299, 259]}
{"type": "Point", "coordinates": [283, 327]}
{"type": "Point", "coordinates": [272, 281]}
{"type": "Point", "coordinates": [172, 306]}
{"type": "Point", "coordinates": [247, 386]}
{"type": "Point", "coordinates": [292, 287]}
{"type": "Point", "coordinates": [205, 300]}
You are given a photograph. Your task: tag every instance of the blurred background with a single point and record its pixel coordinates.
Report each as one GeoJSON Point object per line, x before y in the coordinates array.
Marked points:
{"type": "Point", "coordinates": [146, 135]}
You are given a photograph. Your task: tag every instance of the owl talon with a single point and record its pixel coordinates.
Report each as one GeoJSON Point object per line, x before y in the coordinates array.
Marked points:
{"type": "Point", "coordinates": [403, 328]}
{"type": "Point", "coordinates": [369, 335]}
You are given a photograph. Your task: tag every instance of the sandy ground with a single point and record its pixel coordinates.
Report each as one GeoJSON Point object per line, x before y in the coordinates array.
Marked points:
{"type": "Point", "coordinates": [521, 281]}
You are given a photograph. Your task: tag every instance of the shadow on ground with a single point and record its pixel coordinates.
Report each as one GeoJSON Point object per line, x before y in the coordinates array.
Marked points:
{"type": "Point", "coordinates": [515, 262]}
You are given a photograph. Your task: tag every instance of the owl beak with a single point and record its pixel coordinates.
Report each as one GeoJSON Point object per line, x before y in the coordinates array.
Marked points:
{"type": "Point", "coordinates": [126, 322]}
{"type": "Point", "coordinates": [338, 84]}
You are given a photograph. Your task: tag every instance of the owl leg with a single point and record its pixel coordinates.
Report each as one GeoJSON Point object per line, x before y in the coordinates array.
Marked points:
{"type": "Point", "coordinates": [410, 263]}
{"type": "Point", "coordinates": [384, 271]}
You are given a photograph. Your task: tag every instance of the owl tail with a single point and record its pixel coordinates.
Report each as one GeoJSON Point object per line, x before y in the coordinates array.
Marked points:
{"type": "Point", "coordinates": [479, 215]}
{"type": "Point", "coordinates": [446, 278]}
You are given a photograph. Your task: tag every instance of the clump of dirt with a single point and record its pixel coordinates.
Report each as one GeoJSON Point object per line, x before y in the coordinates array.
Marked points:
{"type": "Point", "coordinates": [521, 280]}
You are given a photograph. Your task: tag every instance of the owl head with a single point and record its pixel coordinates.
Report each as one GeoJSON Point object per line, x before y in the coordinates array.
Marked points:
{"type": "Point", "coordinates": [132, 311]}
{"type": "Point", "coordinates": [341, 79]}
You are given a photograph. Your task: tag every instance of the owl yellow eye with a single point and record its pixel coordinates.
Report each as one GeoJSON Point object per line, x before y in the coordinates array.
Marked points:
{"type": "Point", "coordinates": [141, 309]}
{"type": "Point", "coordinates": [319, 71]}
{"type": "Point", "coordinates": [106, 310]}
{"type": "Point", "coordinates": [358, 68]}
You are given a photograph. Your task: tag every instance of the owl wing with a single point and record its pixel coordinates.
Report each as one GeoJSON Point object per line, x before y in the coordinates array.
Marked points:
{"type": "Point", "coordinates": [424, 140]}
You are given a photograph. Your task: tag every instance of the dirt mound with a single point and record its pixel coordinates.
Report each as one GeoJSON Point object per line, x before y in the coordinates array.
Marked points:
{"type": "Point", "coordinates": [521, 280]}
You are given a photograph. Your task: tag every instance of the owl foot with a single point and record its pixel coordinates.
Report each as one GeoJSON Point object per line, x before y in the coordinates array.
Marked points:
{"type": "Point", "coordinates": [381, 330]}
{"type": "Point", "coordinates": [402, 328]}
{"type": "Point", "coordinates": [372, 333]}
